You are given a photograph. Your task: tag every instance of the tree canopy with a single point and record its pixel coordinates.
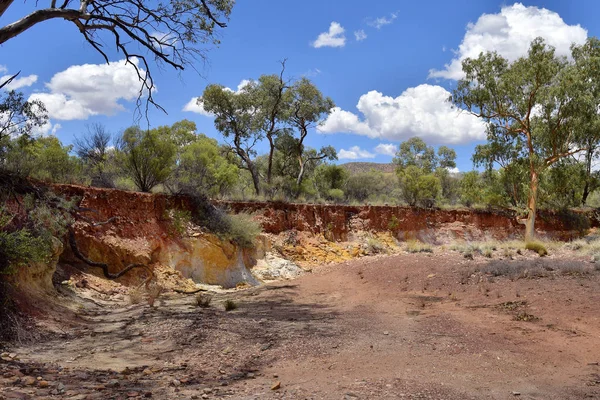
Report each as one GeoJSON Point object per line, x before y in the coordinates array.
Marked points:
{"type": "Point", "coordinates": [538, 109]}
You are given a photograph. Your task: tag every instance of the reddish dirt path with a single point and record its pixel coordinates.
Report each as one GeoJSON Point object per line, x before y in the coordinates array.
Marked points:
{"type": "Point", "coordinates": [408, 326]}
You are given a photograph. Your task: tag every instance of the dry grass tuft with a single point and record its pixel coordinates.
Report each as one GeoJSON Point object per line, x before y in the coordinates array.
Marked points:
{"type": "Point", "coordinates": [230, 305]}
{"type": "Point", "coordinates": [203, 300]}
{"type": "Point", "coordinates": [538, 247]}
{"type": "Point", "coordinates": [415, 246]}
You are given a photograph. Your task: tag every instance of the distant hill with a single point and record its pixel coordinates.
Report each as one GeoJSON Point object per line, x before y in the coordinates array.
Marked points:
{"type": "Point", "coordinates": [358, 167]}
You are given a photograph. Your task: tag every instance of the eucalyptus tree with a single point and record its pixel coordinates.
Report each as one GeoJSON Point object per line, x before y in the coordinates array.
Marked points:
{"type": "Point", "coordinates": [272, 108]}
{"type": "Point", "coordinates": [308, 108]}
{"type": "Point", "coordinates": [537, 110]}
{"type": "Point", "coordinates": [238, 118]}
{"type": "Point", "coordinates": [148, 156]}
{"type": "Point", "coordinates": [272, 96]}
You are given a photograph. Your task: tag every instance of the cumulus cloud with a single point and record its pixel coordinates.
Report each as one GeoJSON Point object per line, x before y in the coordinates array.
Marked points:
{"type": "Point", "coordinates": [18, 83]}
{"type": "Point", "coordinates": [453, 170]}
{"type": "Point", "coordinates": [509, 33]}
{"type": "Point", "coordinates": [195, 104]}
{"type": "Point", "coordinates": [420, 111]}
{"type": "Point", "coordinates": [354, 153]}
{"type": "Point", "coordinates": [360, 35]}
{"type": "Point", "coordinates": [386, 149]}
{"type": "Point", "coordinates": [81, 91]}
{"type": "Point", "coordinates": [382, 21]}
{"type": "Point", "coordinates": [332, 38]}
{"type": "Point", "coordinates": [3, 69]}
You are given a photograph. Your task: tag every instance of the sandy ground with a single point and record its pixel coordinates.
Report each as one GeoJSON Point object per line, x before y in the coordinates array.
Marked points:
{"type": "Point", "coordinates": [408, 326]}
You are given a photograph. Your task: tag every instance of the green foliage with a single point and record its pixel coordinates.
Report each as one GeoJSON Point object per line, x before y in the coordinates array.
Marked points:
{"type": "Point", "coordinates": [179, 220]}
{"type": "Point", "coordinates": [98, 159]}
{"type": "Point", "coordinates": [419, 188]}
{"type": "Point", "coordinates": [30, 239]}
{"type": "Point", "coordinates": [335, 195]}
{"type": "Point", "coordinates": [204, 167]}
{"type": "Point", "coordinates": [538, 109]}
{"type": "Point", "coordinates": [242, 229]}
{"type": "Point", "coordinates": [329, 176]}
{"type": "Point", "coordinates": [563, 185]}
{"type": "Point", "coordinates": [369, 185]}
{"type": "Point", "coordinates": [471, 189]}
{"type": "Point", "coordinates": [393, 224]}
{"type": "Point", "coordinates": [415, 152]}
{"type": "Point", "coordinates": [18, 248]}
{"type": "Point", "coordinates": [44, 158]}
{"type": "Point", "coordinates": [148, 156]}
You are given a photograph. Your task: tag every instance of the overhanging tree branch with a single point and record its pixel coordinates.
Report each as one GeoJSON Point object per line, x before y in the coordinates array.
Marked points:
{"type": "Point", "coordinates": [174, 32]}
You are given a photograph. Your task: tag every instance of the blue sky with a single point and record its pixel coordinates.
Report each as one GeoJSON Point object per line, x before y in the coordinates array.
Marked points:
{"type": "Point", "coordinates": [388, 86]}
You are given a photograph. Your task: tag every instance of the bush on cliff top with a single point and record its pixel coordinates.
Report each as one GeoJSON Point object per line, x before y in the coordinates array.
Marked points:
{"type": "Point", "coordinates": [241, 228]}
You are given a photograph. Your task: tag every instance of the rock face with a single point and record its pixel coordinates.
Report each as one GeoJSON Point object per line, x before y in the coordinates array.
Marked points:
{"type": "Point", "coordinates": [337, 222]}
{"type": "Point", "coordinates": [36, 278]}
{"type": "Point", "coordinates": [273, 267]}
{"type": "Point", "coordinates": [207, 259]}
{"type": "Point", "coordinates": [141, 232]}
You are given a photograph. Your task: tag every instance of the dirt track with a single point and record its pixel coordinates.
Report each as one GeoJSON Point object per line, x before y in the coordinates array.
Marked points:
{"type": "Point", "coordinates": [412, 326]}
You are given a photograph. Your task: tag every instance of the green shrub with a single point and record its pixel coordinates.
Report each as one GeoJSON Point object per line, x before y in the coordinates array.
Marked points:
{"type": "Point", "coordinates": [242, 229]}
{"type": "Point", "coordinates": [336, 195]}
{"type": "Point", "coordinates": [537, 247]}
{"type": "Point", "coordinates": [394, 223]}
{"type": "Point", "coordinates": [179, 220]}
{"type": "Point", "coordinates": [19, 248]}
{"type": "Point", "coordinates": [374, 246]}
{"type": "Point", "coordinates": [30, 240]}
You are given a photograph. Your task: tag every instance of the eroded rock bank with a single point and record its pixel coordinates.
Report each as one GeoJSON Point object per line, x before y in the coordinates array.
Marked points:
{"type": "Point", "coordinates": [141, 231]}
{"type": "Point", "coordinates": [435, 226]}
{"type": "Point", "coordinates": [122, 228]}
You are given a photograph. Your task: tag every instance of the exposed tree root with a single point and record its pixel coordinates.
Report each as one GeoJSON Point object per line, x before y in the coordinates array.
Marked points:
{"type": "Point", "coordinates": [189, 292]}
{"type": "Point", "coordinates": [103, 266]}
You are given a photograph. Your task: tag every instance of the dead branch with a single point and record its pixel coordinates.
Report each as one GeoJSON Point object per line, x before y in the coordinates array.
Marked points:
{"type": "Point", "coordinates": [9, 80]}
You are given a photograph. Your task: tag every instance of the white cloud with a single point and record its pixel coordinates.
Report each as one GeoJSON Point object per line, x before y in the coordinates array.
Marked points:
{"type": "Point", "coordinates": [510, 33]}
{"type": "Point", "coordinates": [382, 21]}
{"type": "Point", "coordinates": [386, 149]}
{"type": "Point", "coordinates": [354, 153]}
{"type": "Point", "coordinates": [47, 128]}
{"type": "Point", "coordinates": [454, 170]}
{"type": "Point", "coordinates": [84, 90]}
{"type": "Point", "coordinates": [422, 111]}
{"type": "Point", "coordinates": [19, 83]}
{"type": "Point", "coordinates": [195, 105]}
{"type": "Point", "coordinates": [243, 84]}
{"type": "Point", "coordinates": [333, 38]}
{"type": "Point", "coordinates": [360, 35]}
{"type": "Point", "coordinates": [312, 72]}
{"type": "Point", "coordinates": [3, 69]}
